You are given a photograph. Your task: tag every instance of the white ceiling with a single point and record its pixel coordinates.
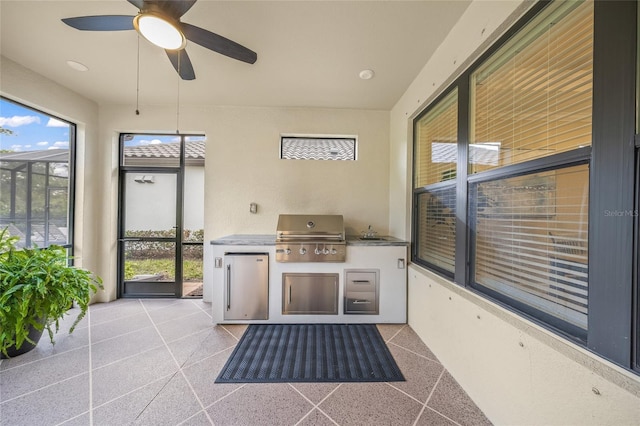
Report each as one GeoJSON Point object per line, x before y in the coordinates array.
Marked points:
{"type": "Point", "coordinates": [309, 52]}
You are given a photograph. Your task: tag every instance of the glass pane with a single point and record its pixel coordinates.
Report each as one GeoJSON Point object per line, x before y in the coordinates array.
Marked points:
{"type": "Point", "coordinates": [57, 203]}
{"type": "Point", "coordinates": [149, 261]}
{"type": "Point", "coordinates": [436, 142]}
{"type": "Point", "coordinates": [531, 236]}
{"type": "Point", "coordinates": [192, 267]}
{"type": "Point", "coordinates": [437, 227]}
{"type": "Point", "coordinates": [151, 150]}
{"type": "Point", "coordinates": [34, 166]}
{"type": "Point", "coordinates": [317, 148]}
{"type": "Point", "coordinates": [38, 196]}
{"type": "Point", "coordinates": [150, 205]}
{"type": "Point", "coordinates": [193, 216]}
{"type": "Point", "coordinates": [192, 255]}
{"type": "Point", "coordinates": [533, 97]}
{"type": "Point", "coordinates": [194, 148]}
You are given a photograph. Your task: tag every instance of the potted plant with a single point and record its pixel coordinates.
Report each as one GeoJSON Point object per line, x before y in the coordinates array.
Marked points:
{"type": "Point", "coordinates": [37, 288]}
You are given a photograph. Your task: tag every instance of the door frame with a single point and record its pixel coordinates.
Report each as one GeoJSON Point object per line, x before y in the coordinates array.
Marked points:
{"type": "Point", "coordinates": [150, 289]}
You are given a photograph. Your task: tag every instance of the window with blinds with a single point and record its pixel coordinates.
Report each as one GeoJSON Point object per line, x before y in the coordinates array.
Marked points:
{"type": "Point", "coordinates": [436, 158]}
{"type": "Point", "coordinates": [533, 97]}
{"type": "Point", "coordinates": [530, 241]}
{"type": "Point", "coordinates": [436, 143]}
{"type": "Point", "coordinates": [436, 227]}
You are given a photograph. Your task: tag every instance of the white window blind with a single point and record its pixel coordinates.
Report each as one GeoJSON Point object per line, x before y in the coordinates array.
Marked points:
{"type": "Point", "coordinates": [533, 97]}
{"type": "Point", "coordinates": [437, 226]}
{"type": "Point", "coordinates": [531, 236]}
{"type": "Point", "coordinates": [436, 148]}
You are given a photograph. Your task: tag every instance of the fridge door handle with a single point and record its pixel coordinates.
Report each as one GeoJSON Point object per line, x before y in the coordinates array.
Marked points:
{"type": "Point", "coordinates": [228, 287]}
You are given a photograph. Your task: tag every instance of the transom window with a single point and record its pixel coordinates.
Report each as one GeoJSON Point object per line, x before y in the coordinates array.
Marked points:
{"type": "Point", "coordinates": [318, 148]}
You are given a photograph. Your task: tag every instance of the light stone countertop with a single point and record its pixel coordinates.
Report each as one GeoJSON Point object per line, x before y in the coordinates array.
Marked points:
{"type": "Point", "coordinates": [270, 240]}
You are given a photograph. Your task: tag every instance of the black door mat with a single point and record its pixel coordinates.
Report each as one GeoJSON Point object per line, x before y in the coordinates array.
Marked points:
{"type": "Point", "coordinates": [284, 353]}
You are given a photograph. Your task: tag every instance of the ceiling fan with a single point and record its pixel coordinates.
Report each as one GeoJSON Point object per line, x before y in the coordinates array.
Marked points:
{"type": "Point", "coordinates": [159, 22]}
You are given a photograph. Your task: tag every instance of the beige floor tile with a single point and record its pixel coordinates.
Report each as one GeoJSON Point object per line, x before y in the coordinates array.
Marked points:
{"type": "Point", "coordinates": [315, 392]}
{"type": "Point", "coordinates": [260, 404]}
{"type": "Point", "coordinates": [421, 374]}
{"type": "Point", "coordinates": [452, 401]}
{"type": "Point", "coordinates": [408, 339]}
{"type": "Point", "coordinates": [155, 361]}
{"type": "Point", "coordinates": [316, 418]}
{"type": "Point", "coordinates": [370, 404]}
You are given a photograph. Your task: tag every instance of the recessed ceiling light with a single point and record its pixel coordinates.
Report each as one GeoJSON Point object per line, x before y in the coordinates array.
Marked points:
{"type": "Point", "coordinates": [77, 66]}
{"type": "Point", "coordinates": [367, 74]}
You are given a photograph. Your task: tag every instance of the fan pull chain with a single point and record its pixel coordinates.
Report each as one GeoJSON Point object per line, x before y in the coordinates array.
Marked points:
{"type": "Point", "coordinates": [178, 99]}
{"type": "Point", "coordinates": [138, 80]}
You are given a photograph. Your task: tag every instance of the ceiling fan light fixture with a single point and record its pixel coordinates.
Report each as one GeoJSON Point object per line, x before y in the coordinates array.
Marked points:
{"type": "Point", "coordinates": [159, 30]}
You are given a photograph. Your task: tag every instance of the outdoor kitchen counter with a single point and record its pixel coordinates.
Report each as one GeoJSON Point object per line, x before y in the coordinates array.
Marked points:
{"type": "Point", "coordinates": [246, 240]}
{"type": "Point", "coordinates": [354, 240]}
{"type": "Point", "coordinates": [270, 240]}
{"type": "Point", "coordinates": [383, 260]}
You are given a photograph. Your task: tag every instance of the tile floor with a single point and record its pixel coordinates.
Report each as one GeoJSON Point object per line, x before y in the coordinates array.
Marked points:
{"type": "Point", "coordinates": [154, 362]}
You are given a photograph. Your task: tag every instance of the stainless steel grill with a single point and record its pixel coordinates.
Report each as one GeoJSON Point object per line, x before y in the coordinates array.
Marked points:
{"type": "Point", "coordinates": [310, 238]}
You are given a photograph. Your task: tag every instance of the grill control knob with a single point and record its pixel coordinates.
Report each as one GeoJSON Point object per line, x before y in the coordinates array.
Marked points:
{"type": "Point", "coordinates": [325, 251]}
{"type": "Point", "coordinates": [303, 250]}
{"type": "Point", "coordinates": [317, 251]}
{"type": "Point", "coordinates": [287, 251]}
{"type": "Point", "coordinates": [334, 251]}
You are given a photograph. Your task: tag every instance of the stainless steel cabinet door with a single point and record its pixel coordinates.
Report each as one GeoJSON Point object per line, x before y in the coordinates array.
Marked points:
{"type": "Point", "coordinates": [246, 286]}
{"type": "Point", "coordinates": [310, 293]}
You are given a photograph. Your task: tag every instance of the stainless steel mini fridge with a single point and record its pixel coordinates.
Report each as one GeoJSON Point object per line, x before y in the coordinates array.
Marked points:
{"type": "Point", "coordinates": [246, 294]}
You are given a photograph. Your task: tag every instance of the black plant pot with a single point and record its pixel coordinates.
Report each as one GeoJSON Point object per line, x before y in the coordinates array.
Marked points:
{"type": "Point", "coordinates": [34, 334]}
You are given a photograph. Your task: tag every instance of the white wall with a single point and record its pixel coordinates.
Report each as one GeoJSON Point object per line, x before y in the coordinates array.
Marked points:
{"type": "Point", "coordinates": [194, 190]}
{"type": "Point", "coordinates": [242, 166]}
{"type": "Point", "coordinates": [517, 372]}
{"type": "Point", "coordinates": [151, 206]}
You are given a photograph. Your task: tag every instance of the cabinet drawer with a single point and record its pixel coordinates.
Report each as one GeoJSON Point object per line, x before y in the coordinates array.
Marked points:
{"type": "Point", "coordinates": [361, 281]}
{"type": "Point", "coordinates": [361, 302]}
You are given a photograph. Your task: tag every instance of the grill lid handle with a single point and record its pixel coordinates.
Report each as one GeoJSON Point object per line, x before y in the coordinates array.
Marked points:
{"type": "Point", "coordinates": [283, 235]}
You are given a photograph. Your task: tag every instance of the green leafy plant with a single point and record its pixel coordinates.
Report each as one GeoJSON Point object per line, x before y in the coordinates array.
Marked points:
{"type": "Point", "coordinates": [37, 288]}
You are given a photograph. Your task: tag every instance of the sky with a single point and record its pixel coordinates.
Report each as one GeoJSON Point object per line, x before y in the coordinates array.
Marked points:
{"type": "Point", "coordinates": [32, 130]}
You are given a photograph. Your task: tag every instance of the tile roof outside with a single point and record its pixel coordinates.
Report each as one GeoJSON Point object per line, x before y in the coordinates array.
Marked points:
{"type": "Point", "coordinates": [318, 149]}
{"type": "Point", "coordinates": [194, 150]}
